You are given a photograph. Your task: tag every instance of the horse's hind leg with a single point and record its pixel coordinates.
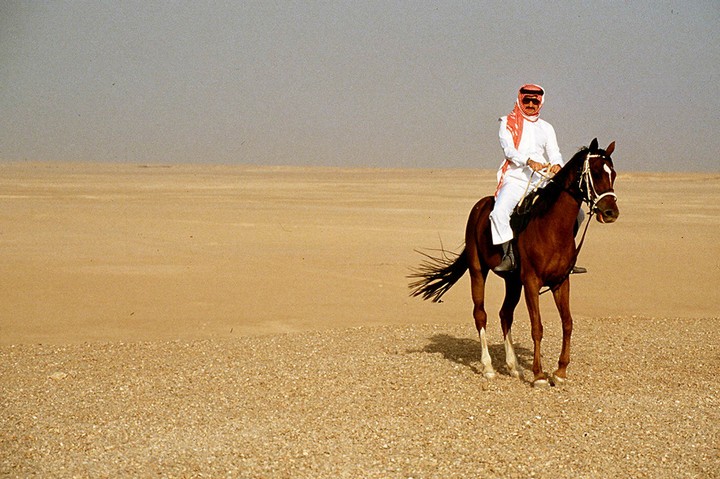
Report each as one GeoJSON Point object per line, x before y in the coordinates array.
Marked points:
{"type": "Point", "coordinates": [513, 290]}
{"type": "Point", "coordinates": [477, 283]}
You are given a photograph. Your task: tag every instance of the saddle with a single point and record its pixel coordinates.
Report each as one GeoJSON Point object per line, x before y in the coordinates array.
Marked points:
{"type": "Point", "coordinates": [522, 213]}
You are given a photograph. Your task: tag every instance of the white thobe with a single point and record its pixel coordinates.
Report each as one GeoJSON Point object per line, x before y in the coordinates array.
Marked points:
{"type": "Point", "coordinates": [515, 177]}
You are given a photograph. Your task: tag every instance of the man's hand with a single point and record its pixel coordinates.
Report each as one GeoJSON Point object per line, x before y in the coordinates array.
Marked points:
{"type": "Point", "coordinates": [554, 169]}
{"type": "Point", "coordinates": [534, 165]}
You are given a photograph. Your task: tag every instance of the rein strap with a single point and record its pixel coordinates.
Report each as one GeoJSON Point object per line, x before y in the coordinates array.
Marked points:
{"type": "Point", "coordinates": [592, 199]}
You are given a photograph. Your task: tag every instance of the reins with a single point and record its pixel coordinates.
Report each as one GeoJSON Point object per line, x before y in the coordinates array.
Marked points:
{"type": "Point", "coordinates": [590, 197]}
{"type": "Point", "coordinates": [577, 253]}
{"type": "Point", "coordinates": [539, 185]}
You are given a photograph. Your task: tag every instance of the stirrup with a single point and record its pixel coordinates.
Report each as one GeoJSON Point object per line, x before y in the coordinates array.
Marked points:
{"type": "Point", "coordinates": [578, 270]}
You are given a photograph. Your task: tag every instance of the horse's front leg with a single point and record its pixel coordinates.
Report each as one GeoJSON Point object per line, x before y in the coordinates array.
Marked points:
{"type": "Point", "coordinates": [532, 299]}
{"type": "Point", "coordinates": [562, 301]}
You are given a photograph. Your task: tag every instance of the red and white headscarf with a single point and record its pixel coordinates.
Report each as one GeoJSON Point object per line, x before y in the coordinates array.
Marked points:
{"type": "Point", "coordinates": [517, 117]}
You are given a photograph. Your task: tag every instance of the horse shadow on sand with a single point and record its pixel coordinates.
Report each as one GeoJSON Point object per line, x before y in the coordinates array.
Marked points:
{"type": "Point", "coordinates": [467, 352]}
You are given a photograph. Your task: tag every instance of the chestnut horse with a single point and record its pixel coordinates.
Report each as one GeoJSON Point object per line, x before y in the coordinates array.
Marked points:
{"type": "Point", "coordinates": [544, 250]}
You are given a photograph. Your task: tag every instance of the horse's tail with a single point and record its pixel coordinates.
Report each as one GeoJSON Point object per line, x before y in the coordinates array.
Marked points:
{"type": "Point", "coordinates": [437, 274]}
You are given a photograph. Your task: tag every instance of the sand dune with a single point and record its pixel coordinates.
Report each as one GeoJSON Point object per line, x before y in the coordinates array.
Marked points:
{"type": "Point", "coordinates": [202, 320]}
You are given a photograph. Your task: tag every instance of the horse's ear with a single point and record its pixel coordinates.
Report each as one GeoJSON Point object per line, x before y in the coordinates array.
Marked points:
{"type": "Point", "coordinates": [609, 150]}
{"type": "Point", "coordinates": [594, 144]}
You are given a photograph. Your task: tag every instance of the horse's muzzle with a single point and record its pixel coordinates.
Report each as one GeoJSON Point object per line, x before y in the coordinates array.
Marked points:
{"type": "Point", "coordinates": [607, 210]}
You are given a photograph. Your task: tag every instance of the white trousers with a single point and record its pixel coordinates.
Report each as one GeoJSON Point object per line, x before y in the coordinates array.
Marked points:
{"type": "Point", "coordinates": [506, 199]}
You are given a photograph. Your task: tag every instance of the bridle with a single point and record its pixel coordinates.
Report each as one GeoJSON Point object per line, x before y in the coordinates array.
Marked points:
{"type": "Point", "coordinates": [592, 198]}
{"type": "Point", "coordinates": [587, 186]}
{"type": "Point", "coordinates": [590, 195]}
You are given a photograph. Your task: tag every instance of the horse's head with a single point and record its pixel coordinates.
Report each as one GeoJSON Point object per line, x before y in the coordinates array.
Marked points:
{"type": "Point", "coordinates": [598, 179]}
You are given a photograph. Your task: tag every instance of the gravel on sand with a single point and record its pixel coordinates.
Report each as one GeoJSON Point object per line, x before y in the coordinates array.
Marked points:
{"type": "Point", "coordinates": [368, 402]}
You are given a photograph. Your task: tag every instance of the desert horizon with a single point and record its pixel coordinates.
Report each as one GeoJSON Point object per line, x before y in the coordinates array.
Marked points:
{"type": "Point", "coordinates": [134, 252]}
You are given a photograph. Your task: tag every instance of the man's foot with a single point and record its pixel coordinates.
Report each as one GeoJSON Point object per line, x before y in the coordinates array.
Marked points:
{"type": "Point", "coordinates": [507, 264]}
{"type": "Point", "coordinates": [508, 261]}
{"type": "Point", "coordinates": [578, 270]}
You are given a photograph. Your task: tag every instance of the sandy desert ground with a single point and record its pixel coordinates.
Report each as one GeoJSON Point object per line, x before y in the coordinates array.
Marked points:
{"type": "Point", "coordinates": [237, 321]}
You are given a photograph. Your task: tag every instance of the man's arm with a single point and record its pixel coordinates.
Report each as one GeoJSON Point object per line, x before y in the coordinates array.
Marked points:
{"type": "Point", "coordinates": [508, 145]}
{"type": "Point", "coordinates": [553, 150]}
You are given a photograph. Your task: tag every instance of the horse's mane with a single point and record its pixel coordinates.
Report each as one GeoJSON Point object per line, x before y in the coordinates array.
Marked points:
{"type": "Point", "coordinates": [539, 201]}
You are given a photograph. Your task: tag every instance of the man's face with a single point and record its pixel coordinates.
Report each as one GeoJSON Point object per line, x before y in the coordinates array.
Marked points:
{"type": "Point", "coordinates": [531, 104]}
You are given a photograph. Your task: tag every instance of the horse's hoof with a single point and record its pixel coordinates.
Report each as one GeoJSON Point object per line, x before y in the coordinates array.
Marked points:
{"type": "Point", "coordinates": [489, 375]}
{"type": "Point", "coordinates": [541, 383]}
{"type": "Point", "coordinates": [558, 381]}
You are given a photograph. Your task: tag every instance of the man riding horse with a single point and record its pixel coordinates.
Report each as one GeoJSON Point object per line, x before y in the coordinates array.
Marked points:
{"type": "Point", "coordinates": [545, 250]}
{"type": "Point", "coordinates": [524, 139]}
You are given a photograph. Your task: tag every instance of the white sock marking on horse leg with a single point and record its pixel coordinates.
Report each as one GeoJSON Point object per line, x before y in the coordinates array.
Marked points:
{"type": "Point", "coordinates": [485, 359]}
{"type": "Point", "coordinates": [510, 358]}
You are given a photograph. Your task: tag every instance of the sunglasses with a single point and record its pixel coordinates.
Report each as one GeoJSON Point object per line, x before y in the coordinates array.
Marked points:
{"type": "Point", "coordinates": [531, 101]}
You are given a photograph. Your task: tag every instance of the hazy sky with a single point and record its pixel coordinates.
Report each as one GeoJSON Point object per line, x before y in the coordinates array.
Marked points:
{"type": "Point", "coordinates": [356, 83]}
